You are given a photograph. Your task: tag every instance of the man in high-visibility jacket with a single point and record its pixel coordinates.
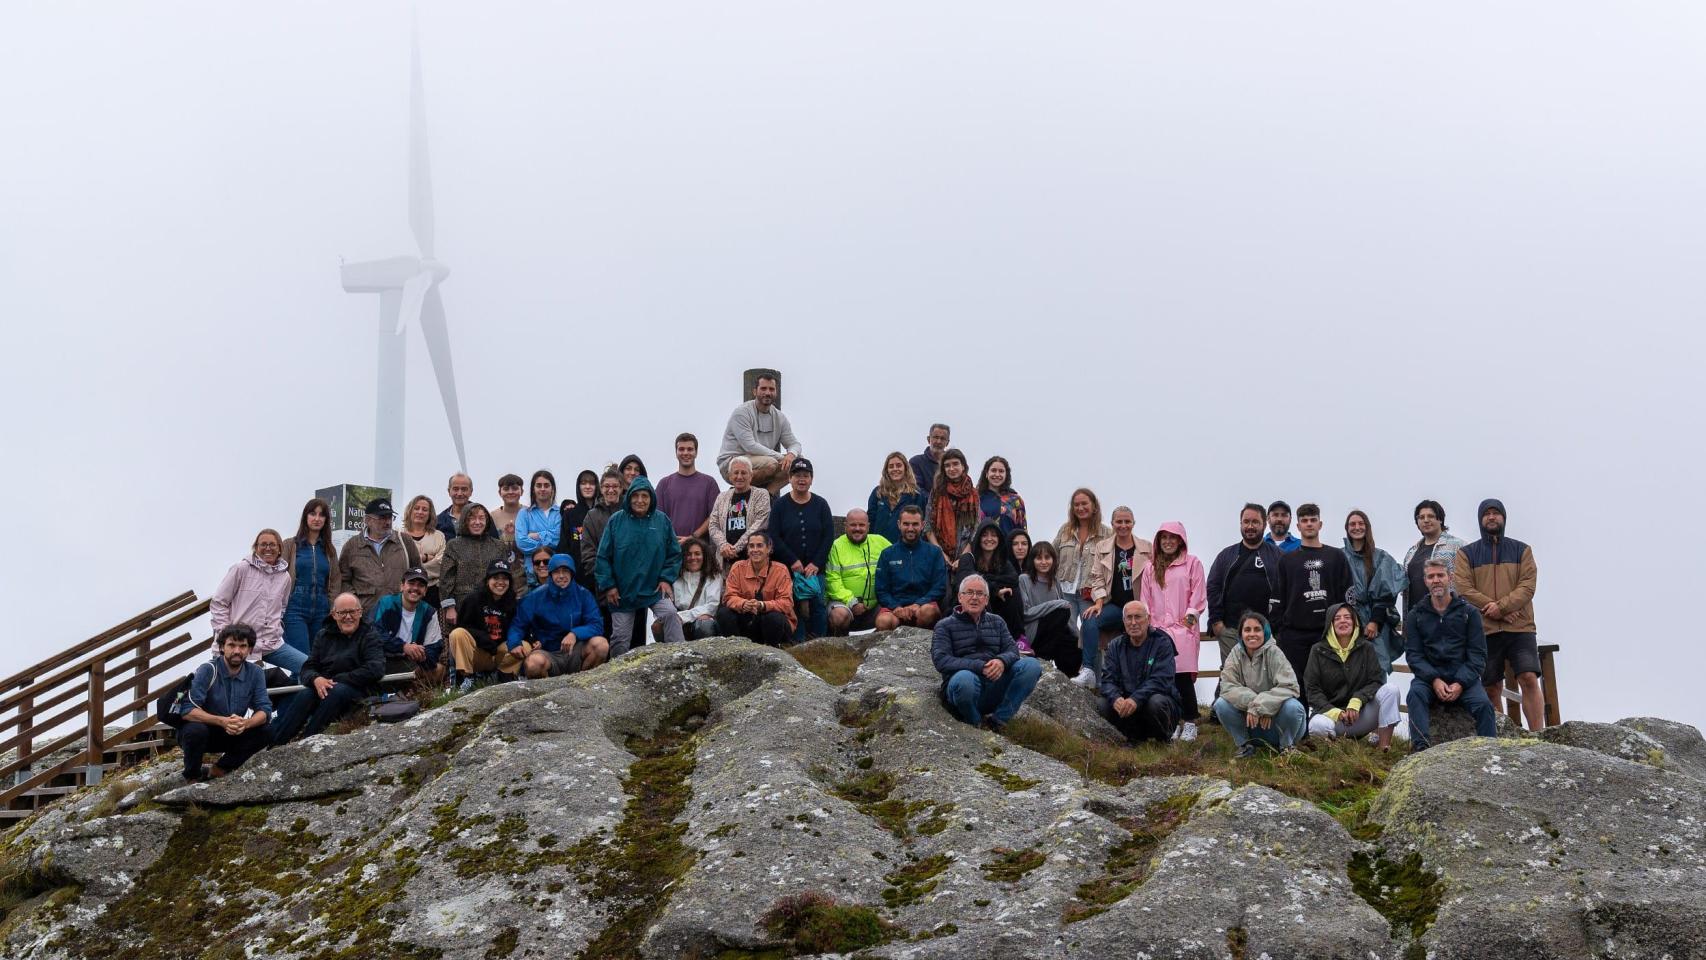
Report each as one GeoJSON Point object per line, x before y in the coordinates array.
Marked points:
{"type": "Point", "coordinates": [850, 580]}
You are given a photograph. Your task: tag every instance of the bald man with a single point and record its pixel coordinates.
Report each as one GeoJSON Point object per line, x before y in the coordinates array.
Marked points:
{"type": "Point", "coordinates": [1139, 698]}
{"type": "Point", "coordinates": [850, 579]}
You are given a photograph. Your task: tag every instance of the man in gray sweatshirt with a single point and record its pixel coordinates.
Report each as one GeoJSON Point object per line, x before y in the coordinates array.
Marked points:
{"type": "Point", "coordinates": [759, 431]}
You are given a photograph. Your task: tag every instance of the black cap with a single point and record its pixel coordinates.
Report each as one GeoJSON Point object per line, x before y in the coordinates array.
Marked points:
{"type": "Point", "coordinates": [801, 465]}
{"type": "Point", "coordinates": [498, 567]}
{"type": "Point", "coordinates": [416, 573]}
{"type": "Point", "coordinates": [379, 508]}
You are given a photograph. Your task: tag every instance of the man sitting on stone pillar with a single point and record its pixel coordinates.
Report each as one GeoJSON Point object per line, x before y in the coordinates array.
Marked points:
{"type": "Point", "coordinates": [760, 431]}
{"type": "Point", "coordinates": [1446, 647]}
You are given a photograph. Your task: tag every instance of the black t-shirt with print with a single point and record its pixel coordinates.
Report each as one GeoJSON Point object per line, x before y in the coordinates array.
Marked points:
{"type": "Point", "coordinates": [735, 526]}
{"type": "Point", "coordinates": [1120, 593]}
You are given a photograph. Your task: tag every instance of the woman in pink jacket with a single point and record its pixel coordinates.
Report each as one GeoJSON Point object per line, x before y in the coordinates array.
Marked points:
{"type": "Point", "coordinates": [255, 591]}
{"type": "Point", "coordinates": [1174, 589]}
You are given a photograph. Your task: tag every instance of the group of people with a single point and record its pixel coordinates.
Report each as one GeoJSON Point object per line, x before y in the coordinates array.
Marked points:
{"type": "Point", "coordinates": [559, 585]}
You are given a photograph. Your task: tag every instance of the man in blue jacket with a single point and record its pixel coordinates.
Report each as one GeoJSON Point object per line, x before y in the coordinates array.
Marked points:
{"type": "Point", "coordinates": [227, 707]}
{"type": "Point", "coordinates": [912, 576]}
{"type": "Point", "coordinates": [558, 611]}
{"type": "Point", "coordinates": [1138, 695]}
{"type": "Point", "coordinates": [413, 638]}
{"type": "Point", "coordinates": [982, 671]}
{"type": "Point", "coordinates": [1446, 646]}
{"type": "Point", "coordinates": [638, 561]}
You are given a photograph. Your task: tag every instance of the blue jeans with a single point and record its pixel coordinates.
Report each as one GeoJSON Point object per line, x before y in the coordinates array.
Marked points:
{"type": "Point", "coordinates": [1287, 729]}
{"type": "Point", "coordinates": [302, 618]}
{"type": "Point", "coordinates": [1111, 620]}
{"type": "Point", "coordinates": [972, 696]}
{"type": "Point", "coordinates": [1474, 699]}
{"type": "Point", "coordinates": [287, 657]}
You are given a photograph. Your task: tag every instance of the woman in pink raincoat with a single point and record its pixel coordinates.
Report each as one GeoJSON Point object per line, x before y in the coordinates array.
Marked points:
{"type": "Point", "coordinates": [1174, 589]}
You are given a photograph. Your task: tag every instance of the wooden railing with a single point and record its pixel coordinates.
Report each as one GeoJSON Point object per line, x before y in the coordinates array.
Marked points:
{"type": "Point", "coordinates": [120, 663]}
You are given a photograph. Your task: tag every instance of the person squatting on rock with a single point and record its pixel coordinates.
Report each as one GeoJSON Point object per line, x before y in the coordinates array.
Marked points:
{"type": "Point", "coordinates": [850, 580]}
{"type": "Point", "coordinates": [638, 560]}
{"type": "Point", "coordinates": [1139, 696]}
{"type": "Point", "coordinates": [557, 626]}
{"type": "Point", "coordinates": [478, 644]}
{"type": "Point", "coordinates": [760, 431]}
{"type": "Point", "coordinates": [346, 661]}
{"type": "Point", "coordinates": [1258, 692]}
{"type": "Point", "coordinates": [758, 596]}
{"type": "Point", "coordinates": [227, 709]}
{"type": "Point", "coordinates": [1446, 648]}
{"type": "Point", "coordinates": [984, 678]}
{"type": "Point", "coordinates": [1343, 677]}
{"type": "Point", "coordinates": [912, 577]}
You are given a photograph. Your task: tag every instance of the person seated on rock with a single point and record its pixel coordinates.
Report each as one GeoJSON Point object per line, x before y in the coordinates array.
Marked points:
{"type": "Point", "coordinates": [698, 592]}
{"type": "Point", "coordinates": [1445, 644]}
{"type": "Point", "coordinates": [483, 617]}
{"type": "Point", "coordinates": [850, 580]}
{"type": "Point", "coordinates": [413, 638]}
{"type": "Point", "coordinates": [227, 708]}
{"type": "Point", "coordinates": [557, 625]}
{"type": "Point", "coordinates": [912, 577]}
{"type": "Point", "coordinates": [984, 677]}
{"type": "Point", "coordinates": [1343, 677]}
{"type": "Point", "coordinates": [346, 661]}
{"type": "Point", "coordinates": [758, 596]}
{"type": "Point", "coordinates": [1258, 700]}
{"type": "Point", "coordinates": [989, 557]}
{"type": "Point", "coordinates": [638, 560]}
{"type": "Point", "coordinates": [1050, 622]}
{"type": "Point", "coordinates": [1139, 696]}
{"type": "Point", "coordinates": [760, 431]}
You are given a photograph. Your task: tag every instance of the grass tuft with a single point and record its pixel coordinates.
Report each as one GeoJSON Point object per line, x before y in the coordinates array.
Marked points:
{"type": "Point", "coordinates": [814, 923]}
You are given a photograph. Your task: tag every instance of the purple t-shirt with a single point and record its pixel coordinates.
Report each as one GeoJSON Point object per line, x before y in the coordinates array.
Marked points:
{"type": "Point", "coordinates": [687, 501]}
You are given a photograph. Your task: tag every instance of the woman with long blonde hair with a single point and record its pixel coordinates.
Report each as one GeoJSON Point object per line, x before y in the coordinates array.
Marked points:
{"type": "Point", "coordinates": [896, 487]}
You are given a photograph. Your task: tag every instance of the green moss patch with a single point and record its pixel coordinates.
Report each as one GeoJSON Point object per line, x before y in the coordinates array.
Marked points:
{"type": "Point", "coordinates": [1403, 891]}
{"type": "Point", "coordinates": [910, 883]}
{"type": "Point", "coordinates": [834, 664]}
{"type": "Point", "coordinates": [1131, 860]}
{"type": "Point", "coordinates": [1010, 865]}
{"type": "Point", "coordinates": [813, 923]}
{"type": "Point", "coordinates": [1009, 781]}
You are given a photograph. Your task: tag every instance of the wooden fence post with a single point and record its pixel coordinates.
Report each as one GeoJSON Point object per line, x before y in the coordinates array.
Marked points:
{"type": "Point", "coordinates": [97, 719]}
{"type": "Point", "coordinates": [137, 715]}
{"type": "Point", "coordinates": [25, 707]}
{"type": "Point", "coordinates": [1549, 685]}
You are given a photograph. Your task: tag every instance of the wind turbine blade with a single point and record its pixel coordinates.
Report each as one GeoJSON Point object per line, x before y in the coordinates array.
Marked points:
{"type": "Point", "coordinates": [420, 166]}
{"type": "Point", "coordinates": [436, 331]}
{"type": "Point", "coordinates": [414, 293]}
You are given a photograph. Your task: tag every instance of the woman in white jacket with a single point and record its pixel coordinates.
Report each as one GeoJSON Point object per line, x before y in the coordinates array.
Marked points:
{"type": "Point", "coordinates": [698, 591]}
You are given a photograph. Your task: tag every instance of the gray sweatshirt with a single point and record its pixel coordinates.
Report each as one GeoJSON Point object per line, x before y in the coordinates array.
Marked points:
{"type": "Point", "coordinates": [751, 433]}
{"type": "Point", "coordinates": [1038, 600]}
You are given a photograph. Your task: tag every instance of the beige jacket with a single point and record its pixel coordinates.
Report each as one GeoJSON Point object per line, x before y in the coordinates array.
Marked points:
{"type": "Point", "coordinates": [1072, 565]}
{"type": "Point", "coordinates": [1102, 570]}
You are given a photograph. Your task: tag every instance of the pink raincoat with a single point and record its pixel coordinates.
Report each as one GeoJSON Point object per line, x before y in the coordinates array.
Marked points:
{"type": "Point", "coordinates": [1185, 593]}
{"type": "Point", "coordinates": [255, 594]}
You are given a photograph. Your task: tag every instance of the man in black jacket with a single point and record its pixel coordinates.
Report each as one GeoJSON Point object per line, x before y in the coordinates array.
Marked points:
{"type": "Point", "coordinates": [345, 664]}
{"type": "Point", "coordinates": [1138, 695]}
{"type": "Point", "coordinates": [1445, 644]}
{"type": "Point", "coordinates": [1244, 576]}
{"type": "Point", "coordinates": [984, 679]}
{"type": "Point", "coordinates": [1311, 579]}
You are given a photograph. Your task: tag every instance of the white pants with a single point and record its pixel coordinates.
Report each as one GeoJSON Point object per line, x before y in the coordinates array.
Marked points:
{"type": "Point", "coordinates": [1385, 715]}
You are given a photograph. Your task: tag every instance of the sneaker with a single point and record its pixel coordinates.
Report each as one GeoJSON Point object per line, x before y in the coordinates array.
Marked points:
{"type": "Point", "coordinates": [1246, 752]}
{"type": "Point", "coordinates": [1086, 678]}
{"type": "Point", "coordinates": [1188, 732]}
{"type": "Point", "coordinates": [466, 686]}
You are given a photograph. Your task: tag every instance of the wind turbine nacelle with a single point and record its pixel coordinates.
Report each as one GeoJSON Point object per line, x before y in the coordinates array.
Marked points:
{"type": "Point", "coordinates": [378, 276]}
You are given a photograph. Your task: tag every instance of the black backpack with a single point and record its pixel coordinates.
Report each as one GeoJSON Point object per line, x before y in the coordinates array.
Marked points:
{"type": "Point", "coordinates": [167, 706]}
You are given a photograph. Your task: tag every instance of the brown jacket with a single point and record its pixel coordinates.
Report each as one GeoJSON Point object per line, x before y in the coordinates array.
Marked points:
{"type": "Point", "coordinates": [775, 588]}
{"type": "Point", "coordinates": [371, 575]}
{"type": "Point", "coordinates": [1486, 571]}
{"type": "Point", "coordinates": [334, 576]}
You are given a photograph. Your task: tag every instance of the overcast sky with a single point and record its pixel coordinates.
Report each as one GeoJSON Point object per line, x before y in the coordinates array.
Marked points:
{"type": "Point", "coordinates": [1189, 255]}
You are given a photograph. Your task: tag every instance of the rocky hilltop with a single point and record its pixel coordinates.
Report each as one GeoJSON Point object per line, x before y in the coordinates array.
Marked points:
{"type": "Point", "coordinates": [718, 800]}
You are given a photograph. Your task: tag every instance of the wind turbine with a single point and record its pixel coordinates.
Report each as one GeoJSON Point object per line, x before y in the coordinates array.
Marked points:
{"type": "Point", "coordinates": [408, 294]}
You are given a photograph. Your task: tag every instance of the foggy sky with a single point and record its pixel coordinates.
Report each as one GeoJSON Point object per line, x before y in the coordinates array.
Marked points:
{"type": "Point", "coordinates": [1189, 256]}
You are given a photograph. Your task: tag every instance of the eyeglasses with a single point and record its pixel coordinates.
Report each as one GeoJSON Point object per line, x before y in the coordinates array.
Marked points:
{"type": "Point", "coordinates": [974, 593]}
{"type": "Point", "coordinates": [346, 613]}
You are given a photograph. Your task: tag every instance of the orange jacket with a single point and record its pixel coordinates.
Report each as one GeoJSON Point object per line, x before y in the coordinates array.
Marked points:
{"type": "Point", "coordinates": [775, 587]}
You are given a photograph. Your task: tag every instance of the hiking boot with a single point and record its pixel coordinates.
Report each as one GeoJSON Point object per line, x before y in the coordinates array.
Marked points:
{"type": "Point", "coordinates": [1246, 752]}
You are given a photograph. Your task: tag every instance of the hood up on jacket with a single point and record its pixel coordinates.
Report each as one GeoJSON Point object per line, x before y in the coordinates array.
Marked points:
{"type": "Point", "coordinates": [1481, 511]}
{"type": "Point", "coordinates": [640, 484]}
{"type": "Point", "coordinates": [1003, 550]}
{"type": "Point", "coordinates": [580, 478]}
{"type": "Point", "coordinates": [1177, 529]}
{"type": "Point", "coordinates": [1356, 631]}
{"type": "Point", "coordinates": [561, 561]}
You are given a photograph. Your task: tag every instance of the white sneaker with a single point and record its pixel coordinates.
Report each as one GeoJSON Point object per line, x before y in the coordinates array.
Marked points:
{"type": "Point", "coordinates": [1188, 732]}
{"type": "Point", "coordinates": [1086, 678]}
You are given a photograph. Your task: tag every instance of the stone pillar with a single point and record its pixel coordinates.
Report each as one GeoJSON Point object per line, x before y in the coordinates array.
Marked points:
{"type": "Point", "coordinates": [749, 379]}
